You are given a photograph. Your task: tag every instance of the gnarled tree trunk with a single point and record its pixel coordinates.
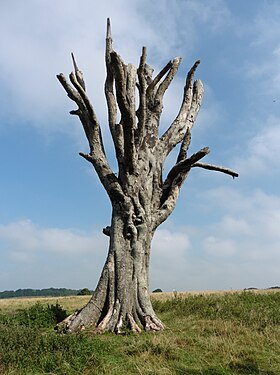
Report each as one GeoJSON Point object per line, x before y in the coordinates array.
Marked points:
{"type": "Point", "coordinates": [141, 199]}
{"type": "Point", "coordinates": [122, 295]}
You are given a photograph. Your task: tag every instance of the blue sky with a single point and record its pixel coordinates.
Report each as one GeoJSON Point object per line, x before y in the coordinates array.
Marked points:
{"type": "Point", "coordinates": [223, 233]}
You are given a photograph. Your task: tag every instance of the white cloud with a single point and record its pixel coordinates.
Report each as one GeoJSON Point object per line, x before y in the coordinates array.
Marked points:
{"type": "Point", "coordinates": [231, 225]}
{"type": "Point", "coordinates": [169, 256]}
{"type": "Point", "coordinates": [238, 248]}
{"type": "Point", "coordinates": [24, 240]}
{"type": "Point", "coordinates": [250, 229]}
{"type": "Point", "coordinates": [38, 257]}
{"type": "Point", "coordinates": [169, 245]}
{"type": "Point", "coordinates": [219, 246]}
{"type": "Point", "coordinates": [260, 157]}
{"type": "Point", "coordinates": [39, 38]}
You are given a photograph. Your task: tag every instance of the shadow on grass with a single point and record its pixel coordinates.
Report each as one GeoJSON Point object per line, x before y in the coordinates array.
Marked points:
{"type": "Point", "coordinates": [210, 371]}
{"type": "Point", "coordinates": [248, 367]}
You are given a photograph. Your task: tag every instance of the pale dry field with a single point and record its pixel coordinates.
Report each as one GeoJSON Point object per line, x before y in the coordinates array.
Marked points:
{"type": "Point", "coordinates": [169, 295]}
{"type": "Point", "coordinates": [72, 303]}
{"type": "Point", "coordinates": [69, 303]}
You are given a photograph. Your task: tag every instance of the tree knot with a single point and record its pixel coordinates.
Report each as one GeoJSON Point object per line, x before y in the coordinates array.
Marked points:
{"type": "Point", "coordinates": [107, 231]}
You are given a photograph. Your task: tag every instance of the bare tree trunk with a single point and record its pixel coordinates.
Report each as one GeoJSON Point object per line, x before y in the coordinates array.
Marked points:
{"type": "Point", "coordinates": [122, 296]}
{"type": "Point", "coordinates": [141, 199]}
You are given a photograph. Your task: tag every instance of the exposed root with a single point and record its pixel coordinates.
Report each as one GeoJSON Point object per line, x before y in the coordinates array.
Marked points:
{"type": "Point", "coordinates": [64, 326]}
{"type": "Point", "coordinates": [104, 323]}
{"type": "Point", "coordinates": [114, 317]}
{"type": "Point", "coordinates": [152, 323]}
{"type": "Point", "coordinates": [133, 325]}
{"type": "Point", "coordinates": [116, 309]}
{"type": "Point", "coordinates": [119, 325]}
{"type": "Point", "coordinates": [113, 321]}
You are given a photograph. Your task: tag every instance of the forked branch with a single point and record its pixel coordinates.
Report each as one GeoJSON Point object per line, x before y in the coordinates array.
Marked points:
{"type": "Point", "coordinates": [157, 79]}
{"type": "Point", "coordinates": [192, 99]}
{"type": "Point", "coordinates": [175, 63]}
{"type": "Point", "coordinates": [82, 111]}
{"type": "Point", "coordinates": [92, 130]}
{"type": "Point", "coordinates": [176, 177]}
{"type": "Point", "coordinates": [156, 90]}
{"type": "Point", "coordinates": [181, 167]}
{"type": "Point", "coordinates": [78, 73]}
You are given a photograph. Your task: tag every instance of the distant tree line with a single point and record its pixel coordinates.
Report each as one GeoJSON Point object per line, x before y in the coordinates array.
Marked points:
{"type": "Point", "coordinates": [50, 292]}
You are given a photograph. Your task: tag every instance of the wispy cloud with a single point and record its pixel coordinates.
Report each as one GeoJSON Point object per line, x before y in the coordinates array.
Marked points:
{"type": "Point", "coordinates": [263, 67]}
{"type": "Point", "coordinates": [260, 156]}
{"type": "Point", "coordinates": [23, 240]}
{"type": "Point", "coordinates": [37, 257]}
{"type": "Point", "coordinates": [251, 225]}
{"type": "Point", "coordinates": [32, 59]}
{"type": "Point", "coordinates": [237, 249]}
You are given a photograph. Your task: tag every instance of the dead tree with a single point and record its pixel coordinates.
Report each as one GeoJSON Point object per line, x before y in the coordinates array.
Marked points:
{"type": "Point", "coordinates": [141, 198]}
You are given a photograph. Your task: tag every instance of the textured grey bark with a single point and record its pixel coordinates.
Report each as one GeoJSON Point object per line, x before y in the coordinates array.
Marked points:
{"type": "Point", "coordinates": [141, 200]}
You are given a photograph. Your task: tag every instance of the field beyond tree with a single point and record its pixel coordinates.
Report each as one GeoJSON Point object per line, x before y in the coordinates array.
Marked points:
{"type": "Point", "coordinates": [211, 334]}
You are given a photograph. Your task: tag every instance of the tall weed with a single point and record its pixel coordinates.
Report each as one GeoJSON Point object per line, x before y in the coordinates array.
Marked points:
{"type": "Point", "coordinates": [38, 315]}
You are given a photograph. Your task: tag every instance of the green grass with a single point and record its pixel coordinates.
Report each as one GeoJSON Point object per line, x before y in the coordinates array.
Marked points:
{"type": "Point", "coordinates": [229, 334]}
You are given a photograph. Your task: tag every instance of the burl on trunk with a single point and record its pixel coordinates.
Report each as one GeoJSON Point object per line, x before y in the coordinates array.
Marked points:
{"type": "Point", "coordinates": [141, 199]}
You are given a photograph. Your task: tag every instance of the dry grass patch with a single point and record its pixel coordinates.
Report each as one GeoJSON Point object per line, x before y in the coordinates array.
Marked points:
{"type": "Point", "coordinates": [69, 303]}
{"type": "Point", "coordinates": [164, 296]}
{"type": "Point", "coordinates": [72, 303]}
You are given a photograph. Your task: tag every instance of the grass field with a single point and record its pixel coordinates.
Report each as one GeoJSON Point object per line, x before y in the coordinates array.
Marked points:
{"type": "Point", "coordinates": [212, 334]}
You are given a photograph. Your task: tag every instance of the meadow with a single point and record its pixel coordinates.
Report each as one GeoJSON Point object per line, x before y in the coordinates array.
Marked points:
{"type": "Point", "coordinates": [206, 333]}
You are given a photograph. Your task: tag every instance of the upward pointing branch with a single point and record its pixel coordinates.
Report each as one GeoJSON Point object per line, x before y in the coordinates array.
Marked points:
{"type": "Point", "coordinates": [174, 65]}
{"type": "Point", "coordinates": [192, 99]}
{"type": "Point", "coordinates": [124, 78]}
{"type": "Point", "coordinates": [143, 94]}
{"type": "Point", "coordinates": [108, 32]}
{"type": "Point", "coordinates": [116, 130]}
{"type": "Point", "coordinates": [78, 73]}
{"type": "Point", "coordinates": [158, 77]}
{"type": "Point", "coordinates": [93, 132]}
{"type": "Point", "coordinates": [184, 146]}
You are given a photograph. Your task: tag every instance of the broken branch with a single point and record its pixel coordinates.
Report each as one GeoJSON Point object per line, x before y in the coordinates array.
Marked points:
{"type": "Point", "coordinates": [216, 168]}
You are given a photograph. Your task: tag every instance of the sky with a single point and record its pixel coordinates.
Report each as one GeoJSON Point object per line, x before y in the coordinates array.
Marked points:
{"type": "Point", "coordinates": [224, 233]}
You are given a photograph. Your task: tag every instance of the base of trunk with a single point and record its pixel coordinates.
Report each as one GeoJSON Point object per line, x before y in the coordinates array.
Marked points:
{"type": "Point", "coordinates": [121, 300]}
{"type": "Point", "coordinates": [112, 322]}
{"type": "Point", "coordinates": [115, 308]}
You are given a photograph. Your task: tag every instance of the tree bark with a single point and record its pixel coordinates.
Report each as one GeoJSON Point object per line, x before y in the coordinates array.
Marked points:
{"type": "Point", "coordinates": [122, 296]}
{"type": "Point", "coordinates": [141, 199]}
